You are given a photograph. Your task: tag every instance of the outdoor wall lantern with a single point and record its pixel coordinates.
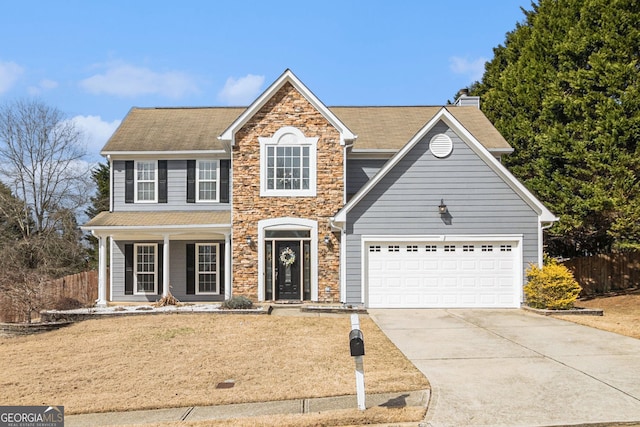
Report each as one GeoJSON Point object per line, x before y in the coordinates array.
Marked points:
{"type": "Point", "coordinates": [442, 209]}
{"type": "Point", "coordinates": [327, 240]}
{"type": "Point", "coordinates": [249, 241]}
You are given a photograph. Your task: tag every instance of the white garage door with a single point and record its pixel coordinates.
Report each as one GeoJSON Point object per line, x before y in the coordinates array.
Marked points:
{"type": "Point", "coordinates": [406, 274]}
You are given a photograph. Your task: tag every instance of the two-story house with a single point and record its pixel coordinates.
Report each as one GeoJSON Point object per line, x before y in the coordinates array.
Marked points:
{"type": "Point", "coordinates": [290, 200]}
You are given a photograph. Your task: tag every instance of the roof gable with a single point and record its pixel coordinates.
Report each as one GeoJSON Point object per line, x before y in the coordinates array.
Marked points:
{"type": "Point", "coordinates": [444, 115]}
{"type": "Point", "coordinates": [287, 77]}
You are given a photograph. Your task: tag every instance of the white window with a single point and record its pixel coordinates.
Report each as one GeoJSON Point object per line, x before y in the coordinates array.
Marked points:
{"type": "Point", "coordinates": [207, 181]}
{"type": "Point", "coordinates": [146, 181]}
{"type": "Point", "coordinates": [288, 168]}
{"type": "Point", "coordinates": [207, 262]}
{"type": "Point", "coordinates": [146, 271]}
{"type": "Point", "coordinates": [288, 164]}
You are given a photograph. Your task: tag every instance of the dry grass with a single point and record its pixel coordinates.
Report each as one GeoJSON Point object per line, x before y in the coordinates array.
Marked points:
{"type": "Point", "coordinates": [347, 417]}
{"type": "Point", "coordinates": [621, 314]}
{"type": "Point", "coordinates": [176, 360]}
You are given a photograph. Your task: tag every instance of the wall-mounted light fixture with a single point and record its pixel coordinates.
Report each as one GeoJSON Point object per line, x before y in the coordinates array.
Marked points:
{"type": "Point", "coordinates": [327, 240]}
{"type": "Point", "coordinates": [249, 241]}
{"type": "Point", "coordinates": [442, 209]}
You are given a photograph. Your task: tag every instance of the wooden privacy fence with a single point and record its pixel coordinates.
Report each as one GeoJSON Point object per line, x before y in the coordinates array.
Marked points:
{"type": "Point", "coordinates": [603, 273]}
{"type": "Point", "coordinates": [81, 286]}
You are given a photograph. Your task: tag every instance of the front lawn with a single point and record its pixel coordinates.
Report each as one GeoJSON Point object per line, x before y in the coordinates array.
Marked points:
{"type": "Point", "coordinates": [176, 360]}
{"type": "Point", "coordinates": [621, 314]}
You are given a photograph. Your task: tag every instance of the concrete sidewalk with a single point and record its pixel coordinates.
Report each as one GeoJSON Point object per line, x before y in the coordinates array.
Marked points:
{"type": "Point", "coordinates": [515, 368]}
{"type": "Point", "coordinates": [242, 410]}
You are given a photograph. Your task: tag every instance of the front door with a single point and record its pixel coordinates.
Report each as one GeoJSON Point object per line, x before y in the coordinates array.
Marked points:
{"type": "Point", "coordinates": [287, 269]}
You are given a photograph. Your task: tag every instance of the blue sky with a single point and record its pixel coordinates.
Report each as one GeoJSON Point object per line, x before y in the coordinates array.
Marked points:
{"type": "Point", "coordinates": [94, 60]}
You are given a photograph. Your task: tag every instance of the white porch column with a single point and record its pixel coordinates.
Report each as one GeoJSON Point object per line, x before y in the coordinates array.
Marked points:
{"type": "Point", "coordinates": [165, 266]}
{"type": "Point", "coordinates": [228, 292]}
{"type": "Point", "coordinates": [102, 272]}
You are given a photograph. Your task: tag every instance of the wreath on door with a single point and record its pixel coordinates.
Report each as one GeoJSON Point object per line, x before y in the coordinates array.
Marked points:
{"type": "Point", "coordinates": [287, 257]}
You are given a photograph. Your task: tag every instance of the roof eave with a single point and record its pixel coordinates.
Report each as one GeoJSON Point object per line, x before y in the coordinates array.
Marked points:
{"type": "Point", "coordinates": [181, 227]}
{"type": "Point", "coordinates": [161, 153]}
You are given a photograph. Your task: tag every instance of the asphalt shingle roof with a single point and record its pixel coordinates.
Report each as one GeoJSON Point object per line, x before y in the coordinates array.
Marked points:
{"type": "Point", "coordinates": [196, 129]}
{"type": "Point", "coordinates": [160, 219]}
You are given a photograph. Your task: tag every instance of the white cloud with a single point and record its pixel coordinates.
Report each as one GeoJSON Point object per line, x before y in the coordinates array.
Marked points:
{"type": "Point", "coordinates": [48, 84]}
{"type": "Point", "coordinates": [126, 80]}
{"type": "Point", "coordinates": [474, 69]}
{"type": "Point", "coordinates": [241, 91]}
{"type": "Point", "coordinates": [9, 74]}
{"type": "Point", "coordinates": [96, 132]}
{"type": "Point", "coordinates": [45, 84]}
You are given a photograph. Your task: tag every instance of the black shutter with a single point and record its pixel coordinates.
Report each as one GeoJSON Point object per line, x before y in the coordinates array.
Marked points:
{"type": "Point", "coordinates": [160, 259]}
{"type": "Point", "coordinates": [162, 181]}
{"type": "Point", "coordinates": [191, 181]}
{"type": "Point", "coordinates": [191, 269]}
{"type": "Point", "coordinates": [128, 269]}
{"type": "Point", "coordinates": [221, 271]}
{"type": "Point", "coordinates": [224, 181]}
{"type": "Point", "coordinates": [128, 181]}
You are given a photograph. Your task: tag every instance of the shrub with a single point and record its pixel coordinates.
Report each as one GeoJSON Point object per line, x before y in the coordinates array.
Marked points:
{"type": "Point", "coordinates": [551, 287]}
{"type": "Point", "coordinates": [237, 303]}
{"type": "Point", "coordinates": [66, 303]}
{"type": "Point", "coordinates": [167, 300]}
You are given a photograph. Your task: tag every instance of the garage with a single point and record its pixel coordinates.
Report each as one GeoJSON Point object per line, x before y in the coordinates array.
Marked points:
{"type": "Point", "coordinates": [446, 273]}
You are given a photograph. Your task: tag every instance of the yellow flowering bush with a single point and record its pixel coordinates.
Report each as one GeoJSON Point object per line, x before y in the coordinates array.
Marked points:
{"type": "Point", "coordinates": [551, 287]}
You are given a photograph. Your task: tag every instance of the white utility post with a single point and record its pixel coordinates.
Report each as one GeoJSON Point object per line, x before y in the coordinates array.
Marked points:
{"type": "Point", "coordinates": [355, 325]}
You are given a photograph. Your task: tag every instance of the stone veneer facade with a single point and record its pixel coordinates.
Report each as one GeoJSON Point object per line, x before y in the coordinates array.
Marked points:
{"type": "Point", "coordinates": [287, 107]}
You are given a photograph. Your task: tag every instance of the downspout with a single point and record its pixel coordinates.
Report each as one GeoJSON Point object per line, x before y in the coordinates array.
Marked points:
{"type": "Point", "coordinates": [343, 232]}
{"type": "Point", "coordinates": [110, 182]}
{"type": "Point", "coordinates": [541, 242]}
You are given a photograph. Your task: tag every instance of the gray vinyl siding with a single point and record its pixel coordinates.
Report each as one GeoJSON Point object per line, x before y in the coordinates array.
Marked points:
{"type": "Point", "coordinates": [359, 171]}
{"type": "Point", "coordinates": [405, 202]}
{"type": "Point", "coordinates": [177, 280]}
{"type": "Point", "coordinates": [176, 191]}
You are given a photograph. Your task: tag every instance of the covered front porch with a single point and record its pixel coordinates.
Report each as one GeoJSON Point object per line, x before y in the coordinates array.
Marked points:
{"type": "Point", "coordinates": [152, 254]}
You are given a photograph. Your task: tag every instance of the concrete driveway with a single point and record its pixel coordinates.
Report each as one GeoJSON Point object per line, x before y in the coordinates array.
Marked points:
{"type": "Point", "coordinates": [515, 368]}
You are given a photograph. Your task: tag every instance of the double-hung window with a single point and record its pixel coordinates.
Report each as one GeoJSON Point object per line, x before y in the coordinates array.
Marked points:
{"type": "Point", "coordinates": [208, 181]}
{"type": "Point", "coordinates": [207, 268]}
{"type": "Point", "coordinates": [288, 164]}
{"type": "Point", "coordinates": [146, 183]}
{"type": "Point", "coordinates": [145, 268]}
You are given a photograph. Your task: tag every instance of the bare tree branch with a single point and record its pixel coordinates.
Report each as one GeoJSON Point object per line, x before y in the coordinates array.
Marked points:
{"type": "Point", "coordinates": [41, 154]}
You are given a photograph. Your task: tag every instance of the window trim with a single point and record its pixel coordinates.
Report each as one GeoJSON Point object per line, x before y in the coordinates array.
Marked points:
{"type": "Point", "coordinates": [137, 181]}
{"type": "Point", "coordinates": [288, 136]}
{"type": "Point", "coordinates": [135, 269]}
{"type": "Point", "coordinates": [216, 180]}
{"type": "Point", "coordinates": [197, 269]}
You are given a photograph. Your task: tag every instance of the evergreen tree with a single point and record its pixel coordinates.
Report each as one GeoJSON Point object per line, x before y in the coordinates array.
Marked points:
{"type": "Point", "coordinates": [99, 203]}
{"type": "Point", "coordinates": [564, 90]}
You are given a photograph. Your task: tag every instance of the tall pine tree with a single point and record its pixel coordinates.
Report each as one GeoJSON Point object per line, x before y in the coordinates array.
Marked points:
{"type": "Point", "coordinates": [564, 90]}
{"type": "Point", "coordinates": [99, 202]}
